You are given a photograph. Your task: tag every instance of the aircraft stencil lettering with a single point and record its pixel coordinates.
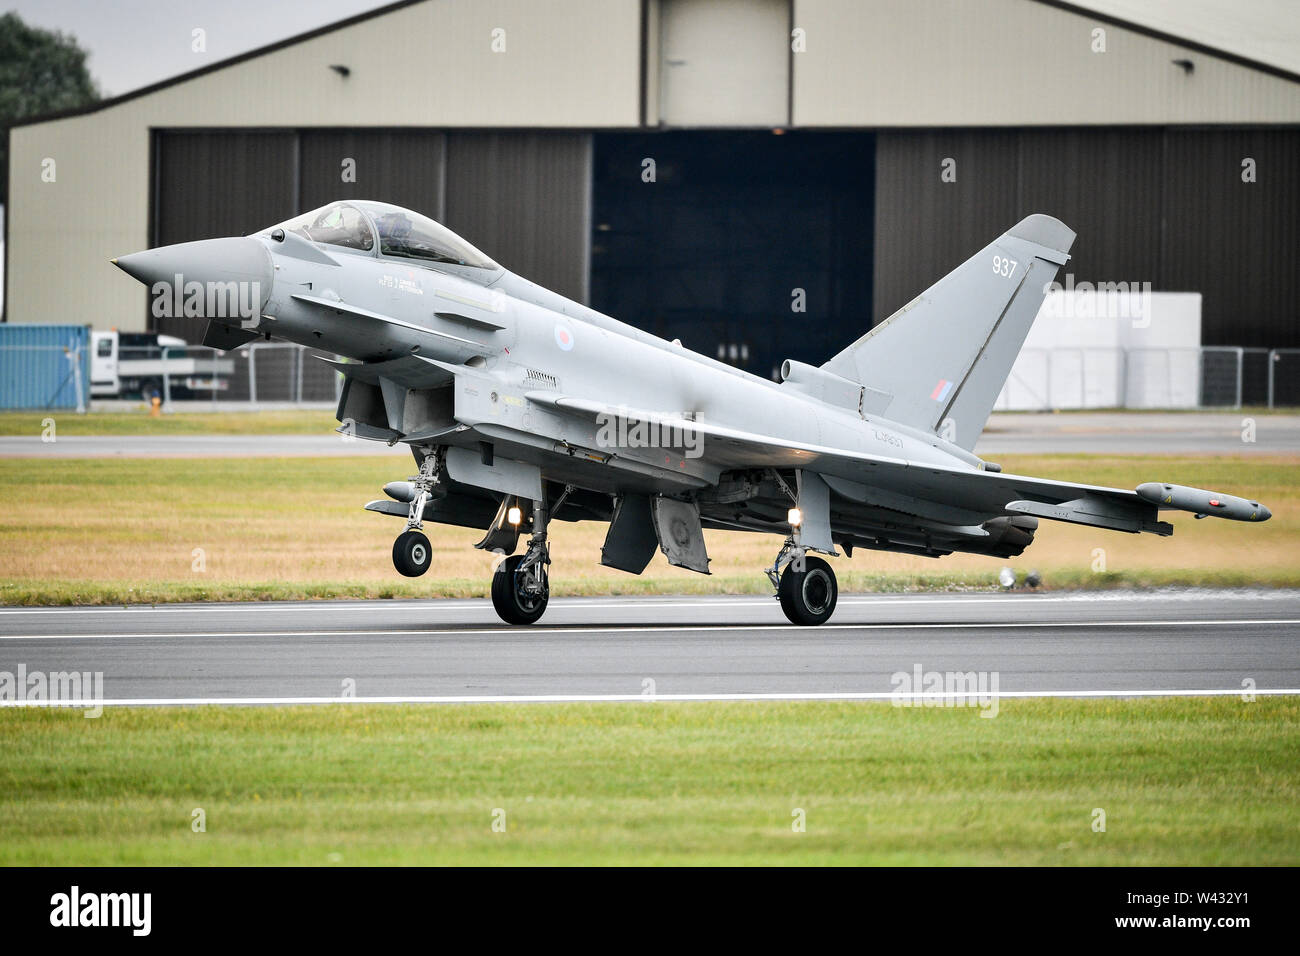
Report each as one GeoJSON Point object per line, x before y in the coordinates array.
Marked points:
{"type": "Point", "coordinates": [507, 394]}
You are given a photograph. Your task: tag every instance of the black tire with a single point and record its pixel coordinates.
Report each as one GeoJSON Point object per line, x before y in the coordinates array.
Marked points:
{"type": "Point", "coordinates": [412, 553]}
{"type": "Point", "coordinates": [512, 604]}
{"type": "Point", "coordinates": [808, 597]}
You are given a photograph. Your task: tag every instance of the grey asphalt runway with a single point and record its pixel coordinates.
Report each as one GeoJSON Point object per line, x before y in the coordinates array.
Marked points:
{"type": "Point", "coordinates": [1157, 433]}
{"type": "Point", "coordinates": [1146, 433]}
{"type": "Point", "coordinates": [1049, 643]}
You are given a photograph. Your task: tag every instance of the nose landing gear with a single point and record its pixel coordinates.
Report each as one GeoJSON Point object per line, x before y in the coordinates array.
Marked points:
{"type": "Point", "coordinates": [805, 586]}
{"type": "Point", "coordinates": [412, 552]}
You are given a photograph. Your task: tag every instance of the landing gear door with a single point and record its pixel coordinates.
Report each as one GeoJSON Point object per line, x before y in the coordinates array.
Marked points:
{"type": "Point", "coordinates": [681, 538]}
{"type": "Point", "coordinates": [814, 533]}
{"type": "Point", "coordinates": [631, 541]}
{"type": "Point", "coordinates": [502, 537]}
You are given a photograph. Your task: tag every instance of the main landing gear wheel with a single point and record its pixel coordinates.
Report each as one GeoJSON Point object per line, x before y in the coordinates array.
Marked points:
{"type": "Point", "coordinates": [520, 596]}
{"type": "Point", "coordinates": [411, 553]}
{"type": "Point", "coordinates": [808, 597]}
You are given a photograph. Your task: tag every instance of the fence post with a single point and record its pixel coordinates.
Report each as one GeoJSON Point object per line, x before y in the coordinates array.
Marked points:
{"type": "Point", "coordinates": [76, 381]}
{"type": "Point", "coordinates": [298, 377]}
{"type": "Point", "coordinates": [1121, 393]}
{"type": "Point", "coordinates": [1241, 363]}
{"type": "Point", "coordinates": [1047, 384]}
{"type": "Point", "coordinates": [1169, 377]}
{"type": "Point", "coordinates": [167, 381]}
{"type": "Point", "coordinates": [252, 375]}
{"type": "Point", "coordinates": [1272, 363]}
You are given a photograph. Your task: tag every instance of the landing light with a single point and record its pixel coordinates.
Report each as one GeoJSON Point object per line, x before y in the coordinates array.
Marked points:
{"type": "Point", "coordinates": [795, 517]}
{"type": "Point", "coordinates": [514, 515]}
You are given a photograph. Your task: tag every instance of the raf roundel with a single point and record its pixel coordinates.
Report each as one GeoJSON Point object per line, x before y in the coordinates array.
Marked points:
{"type": "Point", "coordinates": [564, 338]}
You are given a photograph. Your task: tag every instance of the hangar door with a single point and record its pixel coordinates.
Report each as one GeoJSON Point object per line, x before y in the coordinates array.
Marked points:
{"type": "Point", "coordinates": [751, 247]}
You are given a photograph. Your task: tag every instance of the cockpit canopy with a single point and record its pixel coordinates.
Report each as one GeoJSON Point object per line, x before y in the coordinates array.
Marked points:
{"type": "Point", "coordinates": [363, 224]}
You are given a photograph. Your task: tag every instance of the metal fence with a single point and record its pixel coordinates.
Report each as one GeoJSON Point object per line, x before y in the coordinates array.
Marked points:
{"type": "Point", "coordinates": [1283, 378]}
{"type": "Point", "coordinates": [1042, 379]}
{"type": "Point", "coordinates": [260, 373]}
{"type": "Point", "coordinates": [1204, 377]}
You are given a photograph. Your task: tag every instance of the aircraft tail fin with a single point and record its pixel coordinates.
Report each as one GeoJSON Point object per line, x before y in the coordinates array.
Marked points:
{"type": "Point", "coordinates": [939, 362]}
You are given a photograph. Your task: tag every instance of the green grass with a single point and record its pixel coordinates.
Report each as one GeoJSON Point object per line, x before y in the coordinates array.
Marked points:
{"type": "Point", "coordinates": [270, 422]}
{"type": "Point", "coordinates": [1182, 782]}
{"type": "Point", "coordinates": [311, 421]}
{"type": "Point", "coordinates": [117, 531]}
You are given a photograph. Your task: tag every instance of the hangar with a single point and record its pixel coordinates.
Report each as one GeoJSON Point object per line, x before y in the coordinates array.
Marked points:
{"type": "Point", "coordinates": [763, 179]}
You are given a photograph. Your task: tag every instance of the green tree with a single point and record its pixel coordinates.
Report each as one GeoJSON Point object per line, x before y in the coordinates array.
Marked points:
{"type": "Point", "coordinates": [40, 72]}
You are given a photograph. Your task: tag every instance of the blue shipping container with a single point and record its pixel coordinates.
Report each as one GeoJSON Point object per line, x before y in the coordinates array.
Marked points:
{"type": "Point", "coordinates": [37, 367]}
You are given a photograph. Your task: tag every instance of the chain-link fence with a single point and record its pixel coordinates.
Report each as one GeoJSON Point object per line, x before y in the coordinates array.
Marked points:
{"type": "Point", "coordinates": [260, 373]}
{"type": "Point", "coordinates": [1283, 378]}
{"type": "Point", "coordinates": [282, 373]}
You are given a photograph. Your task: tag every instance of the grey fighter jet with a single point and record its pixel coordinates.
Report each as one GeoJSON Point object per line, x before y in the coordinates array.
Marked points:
{"type": "Point", "coordinates": [522, 406]}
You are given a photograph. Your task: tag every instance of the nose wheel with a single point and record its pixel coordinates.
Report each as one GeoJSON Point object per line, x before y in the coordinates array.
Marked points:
{"type": "Point", "coordinates": [411, 553]}
{"type": "Point", "coordinates": [411, 550]}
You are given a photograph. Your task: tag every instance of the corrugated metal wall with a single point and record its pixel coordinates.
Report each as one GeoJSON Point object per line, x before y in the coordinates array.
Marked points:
{"type": "Point", "coordinates": [749, 247]}
{"type": "Point", "coordinates": [524, 198]}
{"type": "Point", "coordinates": [521, 197]}
{"type": "Point", "coordinates": [220, 183]}
{"type": "Point", "coordinates": [406, 167]}
{"type": "Point", "coordinates": [1238, 243]}
{"type": "Point", "coordinates": [1150, 205]}
{"type": "Point", "coordinates": [35, 370]}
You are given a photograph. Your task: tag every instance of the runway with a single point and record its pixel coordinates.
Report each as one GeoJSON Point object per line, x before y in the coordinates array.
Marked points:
{"type": "Point", "coordinates": [675, 647]}
{"type": "Point", "coordinates": [1139, 433]}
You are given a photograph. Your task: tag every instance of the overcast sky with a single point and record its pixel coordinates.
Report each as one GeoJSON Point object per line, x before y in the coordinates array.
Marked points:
{"type": "Point", "coordinates": [133, 43]}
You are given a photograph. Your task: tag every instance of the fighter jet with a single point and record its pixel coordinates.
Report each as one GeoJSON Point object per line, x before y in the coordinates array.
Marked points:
{"type": "Point", "coordinates": [521, 407]}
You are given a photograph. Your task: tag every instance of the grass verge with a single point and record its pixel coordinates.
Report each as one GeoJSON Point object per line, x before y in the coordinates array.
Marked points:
{"type": "Point", "coordinates": [1181, 782]}
{"type": "Point", "coordinates": [112, 531]}
{"type": "Point", "coordinates": [268, 422]}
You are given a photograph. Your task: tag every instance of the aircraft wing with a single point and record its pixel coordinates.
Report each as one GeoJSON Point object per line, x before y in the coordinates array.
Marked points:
{"type": "Point", "coordinates": [952, 494]}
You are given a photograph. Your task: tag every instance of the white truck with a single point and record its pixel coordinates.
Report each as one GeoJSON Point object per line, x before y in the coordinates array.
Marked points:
{"type": "Point", "coordinates": [127, 364]}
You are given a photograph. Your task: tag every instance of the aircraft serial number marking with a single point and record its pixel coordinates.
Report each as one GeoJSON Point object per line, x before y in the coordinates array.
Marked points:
{"type": "Point", "coordinates": [1004, 266]}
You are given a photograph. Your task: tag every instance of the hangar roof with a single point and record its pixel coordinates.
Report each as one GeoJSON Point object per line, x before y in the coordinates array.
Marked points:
{"type": "Point", "coordinates": [938, 41]}
{"type": "Point", "coordinates": [1265, 31]}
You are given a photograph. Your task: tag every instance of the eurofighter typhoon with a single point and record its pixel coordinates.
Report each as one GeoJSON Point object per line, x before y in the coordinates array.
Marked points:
{"type": "Point", "coordinates": [522, 407]}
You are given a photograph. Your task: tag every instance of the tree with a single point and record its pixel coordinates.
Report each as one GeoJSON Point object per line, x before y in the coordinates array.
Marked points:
{"type": "Point", "coordinates": [40, 72]}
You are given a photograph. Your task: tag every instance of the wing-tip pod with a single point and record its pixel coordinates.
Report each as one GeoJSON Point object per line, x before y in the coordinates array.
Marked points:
{"type": "Point", "coordinates": [1045, 230]}
{"type": "Point", "coordinates": [1202, 502]}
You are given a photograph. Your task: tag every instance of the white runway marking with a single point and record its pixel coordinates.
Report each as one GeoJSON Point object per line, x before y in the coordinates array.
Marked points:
{"type": "Point", "coordinates": [580, 604]}
{"type": "Point", "coordinates": [633, 629]}
{"type": "Point", "coordinates": [636, 698]}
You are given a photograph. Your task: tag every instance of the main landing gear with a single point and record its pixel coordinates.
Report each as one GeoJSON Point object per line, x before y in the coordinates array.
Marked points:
{"type": "Point", "coordinates": [521, 584]}
{"type": "Point", "coordinates": [411, 551]}
{"type": "Point", "coordinates": [805, 586]}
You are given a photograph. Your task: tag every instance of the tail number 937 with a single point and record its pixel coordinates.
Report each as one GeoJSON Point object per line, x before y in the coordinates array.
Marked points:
{"type": "Point", "coordinates": [1004, 266]}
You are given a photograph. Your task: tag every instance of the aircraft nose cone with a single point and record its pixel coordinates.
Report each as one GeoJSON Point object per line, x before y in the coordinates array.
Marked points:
{"type": "Point", "coordinates": [226, 278]}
